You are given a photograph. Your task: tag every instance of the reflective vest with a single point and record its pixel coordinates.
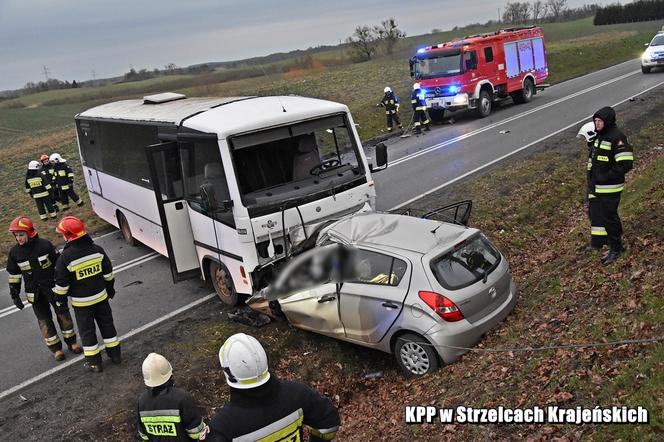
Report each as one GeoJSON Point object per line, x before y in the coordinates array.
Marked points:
{"type": "Point", "coordinates": [611, 157]}
{"type": "Point", "coordinates": [37, 184]}
{"type": "Point", "coordinates": [390, 102]}
{"type": "Point", "coordinates": [418, 101]}
{"type": "Point", "coordinates": [33, 263]}
{"type": "Point", "coordinates": [64, 177]}
{"type": "Point", "coordinates": [168, 414]}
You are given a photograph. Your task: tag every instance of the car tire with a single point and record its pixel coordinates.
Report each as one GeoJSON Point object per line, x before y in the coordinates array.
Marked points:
{"type": "Point", "coordinates": [437, 115]}
{"type": "Point", "coordinates": [484, 104]}
{"type": "Point", "coordinates": [415, 355]}
{"type": "Point", "coordinates": [222, 283]}
{"type": "Point", "coordinates": [645, 70]}
{"type": "Point", "coordinates": [126, 230]}
{"type": "Point", "coordinates": [525, 95]}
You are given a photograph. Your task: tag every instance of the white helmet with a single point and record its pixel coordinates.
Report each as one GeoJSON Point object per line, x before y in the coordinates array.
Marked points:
{"type": "Point", "coordinates": [587, 131]}
{"type": "Point", "coordinates": [244, 362]}
{"type": "Point", "coordinates": [387, 89]}
{"type": "Point", "coordinates": [56, 158]}
{"type": "Point", "coordinates": [156, 370]}
{"type": "Point", "coordinates": [33, 165]}
{"type": "Point", "coordinates": [416, 86]}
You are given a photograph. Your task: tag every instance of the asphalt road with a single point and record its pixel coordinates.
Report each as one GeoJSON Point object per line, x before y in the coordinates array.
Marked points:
{"type": "Point", "coordinates": [418, 165]}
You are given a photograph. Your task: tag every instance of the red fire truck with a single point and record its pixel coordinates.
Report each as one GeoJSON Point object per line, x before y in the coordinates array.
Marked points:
{"type": "Point", "coordinates": [475, 71]}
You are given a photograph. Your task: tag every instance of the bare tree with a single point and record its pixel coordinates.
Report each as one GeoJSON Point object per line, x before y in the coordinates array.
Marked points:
{"type": "Point", "coordinates": [556, 7]}
{"type": "Point", "coordinates": [363, 42]}
{"type": "Point", "coordinates": [389, 34]}
{"type": "Point", "coordinates": [538, 9]}
{"type": "Point", "coordinates": [516, 12]}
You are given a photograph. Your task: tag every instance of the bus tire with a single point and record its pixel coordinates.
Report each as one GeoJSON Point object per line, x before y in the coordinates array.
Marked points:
{"type": "Point", "coordinates": [125, 230]}
{"type": "Point", "coordinates": [222, 283]}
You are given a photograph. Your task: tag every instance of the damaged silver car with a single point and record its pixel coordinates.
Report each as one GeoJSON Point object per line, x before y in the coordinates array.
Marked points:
{"type": "Point", "coordinates": [422, 289]}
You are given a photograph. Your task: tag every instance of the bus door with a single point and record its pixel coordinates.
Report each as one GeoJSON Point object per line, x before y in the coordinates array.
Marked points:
{"type": "Point", "coordinates": [166, 177]}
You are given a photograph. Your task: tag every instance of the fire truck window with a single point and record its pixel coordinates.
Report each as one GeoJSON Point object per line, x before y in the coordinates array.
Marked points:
{"type": "Point", "coordinates": [488, 54]}
{"type": "Point", "coordinates": [471, 60]}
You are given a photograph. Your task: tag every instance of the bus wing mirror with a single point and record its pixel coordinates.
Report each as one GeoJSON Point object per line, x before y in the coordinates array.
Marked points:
{"type": "Point", "coordinates": [381, 158]}
{"type": "Point", "coordinates": [207, 197]}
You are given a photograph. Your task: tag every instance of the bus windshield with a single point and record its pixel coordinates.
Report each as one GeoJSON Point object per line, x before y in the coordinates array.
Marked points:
{"type": "Point", "coordinates": [439, 64]}
{"type": "Point", "coordinates": [300, 160]}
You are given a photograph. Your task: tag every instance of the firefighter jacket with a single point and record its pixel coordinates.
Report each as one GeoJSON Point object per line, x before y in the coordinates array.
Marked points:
{"type": "Point", "coordinates": [34, 263]}
{"type": "Point", "coordinates": [49, 171]}
{"type": "Point", "coordinates": [84, 272]}
{"type": "Point", "coordinates": [417, 100]}
{"type": "Point", "coordinates": [611, 157]}
{"type": "Point", "coordinates": [168, 413]}
{"type": "Point", "coordinates": [390, 102]}
{"type": "Point", "coordinates": [64, 177]}
{"type": "Point", "coordinates": [275, 411]}
{"type": "Point", "coordinates": [37, 184]}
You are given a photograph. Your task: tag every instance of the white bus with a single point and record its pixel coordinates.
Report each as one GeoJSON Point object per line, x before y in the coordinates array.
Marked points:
{"type": "Point", "coordinates": [220, 185]}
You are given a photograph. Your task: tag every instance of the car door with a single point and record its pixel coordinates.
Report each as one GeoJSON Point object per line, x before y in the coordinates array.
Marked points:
{"type": "Point", "coordinates": [373, 298]}
{"type": "Point", "coordinates": [307, 293]}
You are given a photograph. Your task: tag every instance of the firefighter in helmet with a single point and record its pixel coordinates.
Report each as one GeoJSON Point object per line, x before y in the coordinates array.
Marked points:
{"type": "Point", "coordinates": [166, 412]}
{"type": "Point", "coordinates": [611, 157]}
{"type": "Point", "coordinates": [64, 180]}
{"type": "Point", "coordinates": [48, 171]}
{"type": "Point", "coordinates": [391, 104]}
{"type": "Point", "coordinates": [263, 407]}
{"type": "Point", "coordinates": [37, 184]}
{"type": "Point", "coordinates": [85, 274]}
{"type": "Point", "coordinates": [32, 260]}
{"type": "Point", "coordinates": [420, 117]}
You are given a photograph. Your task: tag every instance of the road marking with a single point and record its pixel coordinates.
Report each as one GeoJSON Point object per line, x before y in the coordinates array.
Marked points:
{"type": "Point", "coordinates": [79, 358]}
{"type": "Point", "coordinates": [507, 120]}
{"type": "Point", "coordinates": [435, 189]}
{"type": "Point", "coordinates": [121, 268]}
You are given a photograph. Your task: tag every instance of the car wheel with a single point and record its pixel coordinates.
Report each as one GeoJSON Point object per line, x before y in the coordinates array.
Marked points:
{"type": "Point", "coordinates": [126, 230]}
{"type": "Point", "coordinates": [645, 70]}
{"type": "Point", "coordinates": [484, 104]}
{"type": "Point", "coordinates": [223, 283]}
{"type": "Point", "coordinates": [415, 355]}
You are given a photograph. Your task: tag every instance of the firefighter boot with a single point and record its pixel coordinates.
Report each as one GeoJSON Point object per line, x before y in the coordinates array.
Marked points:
{"type": "Point", "coordinates": [59, 355]}
{"type": "Point", "coordinates": [95, 368]}
{"type": "Point", "coordinates": [75, 348]}
{"type": "Point", "coordinates": [614, 253]}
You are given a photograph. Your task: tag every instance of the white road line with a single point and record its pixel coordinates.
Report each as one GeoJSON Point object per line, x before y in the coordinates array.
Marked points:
{"type": "Point", "coordinates": [121, 268]}
{"type": "Point", "coordinates": [435, 189]}
{"type": "Point", "coordinates": [79, 358]}
{"type": "Point", "coordinates": [506, 120]}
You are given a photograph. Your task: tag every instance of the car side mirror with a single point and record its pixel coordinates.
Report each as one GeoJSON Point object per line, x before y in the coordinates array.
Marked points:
{"type": "Point", "coordinates": [381, 158]}
{"type": "Point", "coordinates": [645, 45]}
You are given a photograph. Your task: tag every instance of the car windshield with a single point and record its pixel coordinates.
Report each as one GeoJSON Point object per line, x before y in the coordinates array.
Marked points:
{"type": "Point", "coordinates": [439, 64]}
{"type": "Point", "coordinates": [466, 264]}
{"type": "Point", "coordinates": [288, 162]}
{"type": "Point", "coordinates": [657, 41]}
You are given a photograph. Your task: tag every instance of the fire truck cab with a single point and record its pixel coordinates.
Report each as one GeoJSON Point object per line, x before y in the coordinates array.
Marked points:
{"type": "Point", "coordinates": [475, 71]}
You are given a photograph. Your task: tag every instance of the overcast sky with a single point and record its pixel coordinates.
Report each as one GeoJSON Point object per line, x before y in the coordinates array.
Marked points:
{"type": "Point", "coordinates": [74, 37]}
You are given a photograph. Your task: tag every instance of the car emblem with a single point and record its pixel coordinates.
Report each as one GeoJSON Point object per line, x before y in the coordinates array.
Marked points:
{"type": "Point", "coordinates": [492, 292]}
{"type": "Point", "coordinates": [437, 91]}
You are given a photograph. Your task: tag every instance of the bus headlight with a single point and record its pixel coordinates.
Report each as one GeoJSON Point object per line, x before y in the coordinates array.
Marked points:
{"type": "Point", "coordinates": [461, 99]}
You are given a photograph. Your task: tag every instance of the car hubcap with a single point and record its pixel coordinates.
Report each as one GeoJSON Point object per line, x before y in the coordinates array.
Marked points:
{"type": "Point", "coordinates": [485, 105]}
{"type": "Point", "coordinates": [415, 358]}
{"type": "Point", "coordinates": [221, 279]}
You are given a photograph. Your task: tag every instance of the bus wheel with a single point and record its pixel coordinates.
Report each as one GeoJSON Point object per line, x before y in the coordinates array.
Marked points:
{"type": "Point", "coordinates": [222, 283]}
{"type": "Point", "coordinates": [126, 231]}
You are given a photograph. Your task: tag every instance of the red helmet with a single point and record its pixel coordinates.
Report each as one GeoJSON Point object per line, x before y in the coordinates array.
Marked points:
{"type": "Point", "coordinates": [23, 224]}
{"type": "Point", "coordinates": [43, 157]}
{"type": "Point", "coordinates": [71, 227]}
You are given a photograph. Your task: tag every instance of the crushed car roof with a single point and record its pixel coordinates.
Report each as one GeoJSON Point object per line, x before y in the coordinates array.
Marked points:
{"type": "Point", "coordinates": [390, 230]}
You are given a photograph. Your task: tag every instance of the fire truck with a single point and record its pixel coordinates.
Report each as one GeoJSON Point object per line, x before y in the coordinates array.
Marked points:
{"type": "Point", "coordinates": [476, 71]}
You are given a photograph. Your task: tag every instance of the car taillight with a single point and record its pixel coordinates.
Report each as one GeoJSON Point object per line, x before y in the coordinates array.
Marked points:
{"type": "Point", "coordinates": [445, 308]}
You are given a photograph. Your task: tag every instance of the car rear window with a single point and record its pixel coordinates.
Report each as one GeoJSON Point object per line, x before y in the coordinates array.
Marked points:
{"type": "Point", "coordinates": [466, 264]}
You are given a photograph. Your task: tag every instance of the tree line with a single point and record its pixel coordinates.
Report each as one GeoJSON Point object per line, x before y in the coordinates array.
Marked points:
{"type": "Point", "coordinates": [367, 41]}
{"type": "Point", "coordinates": [48, 85]}
{"type": "Point", "coordinates": [641, 10]}
{"type": "Point", "coordinates": [545, 11]}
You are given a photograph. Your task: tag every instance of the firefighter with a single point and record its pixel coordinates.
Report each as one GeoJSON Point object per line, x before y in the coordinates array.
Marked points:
{"type": "Point", "coordinates": [611, 158]}
{"type": "Point", "coordinates": [165, 412]}
{"type": "Point", "coordinates": [391, 104]}
{"type": "Point", "coordinates": [37, 185]}
{"type": "Point", "coordinates": [64, 179]}
{"type": "Point", "coordinates": [48, 172]}
{"type": "Point", "coordinates": [263, 407]}
{"type": "Point", "coordinates": [420, 117]}
{"type": "Point", "coordinates": [598, 235]}
{"type": "Point", "coordinates": [32, 260]}
{"type": "Point", "coordinates": [84, 273]}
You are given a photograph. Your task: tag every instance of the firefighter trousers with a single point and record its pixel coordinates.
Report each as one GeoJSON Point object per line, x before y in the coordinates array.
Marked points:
{"type": "Point", "coordinates": [45, 207]}
{"type": "Point", "coordinates": [420, 119]}
{"type": "Point", "coordinates": [42, 308]}
{"type": "Point", "coordinates": [391, 119]}
{"type": "Point", "coordinates": [609, 217]}
{"type": "Point", "coordinates": [66, 194]}
{"type": "Point", "coordinates": [101, 314]}
{"type": "Point", "coordinates": [598, 234]}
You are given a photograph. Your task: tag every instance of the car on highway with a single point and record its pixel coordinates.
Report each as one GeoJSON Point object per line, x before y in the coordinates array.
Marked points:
{"type": "Point", "coordinates": [422, 289]}
{"type": "Point", "coordinates": [653, 56]}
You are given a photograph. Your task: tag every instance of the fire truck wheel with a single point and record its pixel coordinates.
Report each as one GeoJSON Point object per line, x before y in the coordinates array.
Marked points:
{"type": "Point", "coordinates": [484, 104]}
{"type": "Point", "coordinates": [437, 115]}
{"type": "Point", "coordinates": [525, 94]}
{"type": "Point", "coordinates": [222, 283]}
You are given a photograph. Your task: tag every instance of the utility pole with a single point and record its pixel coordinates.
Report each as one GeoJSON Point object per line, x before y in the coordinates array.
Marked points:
{"type": "Point", "coordinates": [499, 17]}
{"type": "Point", "coordinates": [46, 72]}
{"type": "Point", "coordinates": [94, 78]}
